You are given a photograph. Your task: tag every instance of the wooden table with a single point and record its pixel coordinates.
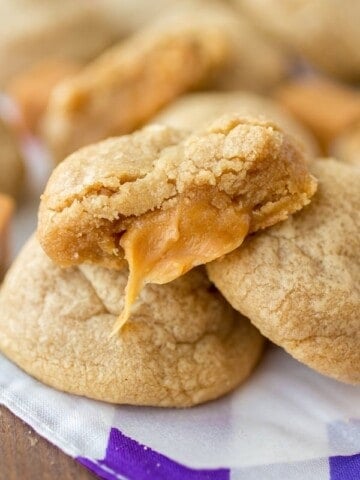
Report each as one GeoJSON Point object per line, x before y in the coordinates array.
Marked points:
{"type": "Point", "coordinates": [24, 455]}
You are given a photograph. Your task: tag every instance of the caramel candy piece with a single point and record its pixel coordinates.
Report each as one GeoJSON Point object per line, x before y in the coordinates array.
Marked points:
{"type": "Point", "coordinates": [11, 162]}
{"type": "Point", "coordinates": [167, 201]}
{"type": "Point", "coordinates": [326, 107]}
{"type": "Point", "coordinates": [32, 88]}
{"type": "Point", "coordinates": [6, 210]}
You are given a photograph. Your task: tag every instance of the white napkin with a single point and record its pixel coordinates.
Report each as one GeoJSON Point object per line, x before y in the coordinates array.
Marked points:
{"type": "Point", "coordinates": [286, 422]}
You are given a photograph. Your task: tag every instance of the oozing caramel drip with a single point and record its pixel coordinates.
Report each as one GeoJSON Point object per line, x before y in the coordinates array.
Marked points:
{"type": "Point", "coordinates": [163, 245]}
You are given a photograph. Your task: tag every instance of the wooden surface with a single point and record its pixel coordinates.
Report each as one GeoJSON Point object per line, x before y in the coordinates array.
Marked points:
{"type": "Point", "coordinates": [24, 455]}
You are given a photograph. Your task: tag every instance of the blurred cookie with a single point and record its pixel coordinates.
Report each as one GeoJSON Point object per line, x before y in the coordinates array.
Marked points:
{"type": "Point", "coordinates": [183, 345]}
{"type": "Point", "coordinates": [127, 16]}
{"type": "Point", "coordinates": [324, 32]}
{"type": "Point", "coordinates": [299, 282]}
{"type": "Point", "coordinates": [6, 210]}
{"type": "Point", "coordinates": [192, 111]}
{"type": "Point", "coordinates": [325, 107]}
{"type": "Point", "coordinates": [347, 146]}
{"type": "Point", "coordinates": [33, 30]}
{"type": "Point", "coordinates": [167, 201]}
{"type": "Point", "coordinates": [254, 61]}
{"type": "Point", "coordinates": [125, 87]}
{"type": "Point", "coordinates": [11, 163]}
{"type": "Point", "coordinates": [31, 89]}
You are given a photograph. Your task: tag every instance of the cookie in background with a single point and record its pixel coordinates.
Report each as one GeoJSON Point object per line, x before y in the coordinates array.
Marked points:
{"type": "Point", "coordinates": [195, 110]}
{"type": "Point", "coordinates": [325, 33]}
{"type": "Point", "coordinates": [346, 147]}
{"type": "Point", "coordinates": [183, 345]}
{"type": "Point", "coordinates": [125, 17]}
{"type": "Point", "coordinates": [35, 30]}
{"type": "Point", "coordinates": [6, 211]}
{"type": "Point", "coordinates": [326, 107]}
{"type": "Point", "coordinates": [187, 48]}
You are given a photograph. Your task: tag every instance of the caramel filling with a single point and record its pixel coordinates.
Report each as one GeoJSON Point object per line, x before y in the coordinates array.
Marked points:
{"type": "Point", "coordinates": [6, 209]}
{"type": "Point", "coordinates": [163, 245]}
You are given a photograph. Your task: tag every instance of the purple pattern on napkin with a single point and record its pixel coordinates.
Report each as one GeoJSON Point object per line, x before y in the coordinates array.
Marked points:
{"type": "Point", "coordinates": [345, 467]}
{"type": "Point", "coordinates": [126, 459]}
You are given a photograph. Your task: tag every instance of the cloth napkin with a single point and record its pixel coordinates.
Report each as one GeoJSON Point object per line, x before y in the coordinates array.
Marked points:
{"type": "Point", "coordinates": [285, 422]}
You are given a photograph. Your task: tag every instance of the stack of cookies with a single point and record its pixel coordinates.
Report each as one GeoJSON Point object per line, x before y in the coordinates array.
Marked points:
{"type": "Point", "coordinates": [182, 229]}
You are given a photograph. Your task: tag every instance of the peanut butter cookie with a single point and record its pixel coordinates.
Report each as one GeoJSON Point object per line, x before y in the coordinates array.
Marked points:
{"type": "Point", "coordinates": [33, 30]}
{"type": "Point", "coordinates": [193, 110]}
{"type": "Point", "coordinates": [188, 48]}
{"type": "Point", "coordinates": [299, 282]}
{"type": "Point", "coordinates": [324, 32]}
{"type": "Point", "coordinates": [347, 146]}
{"type": "Point", "coordinates": [183, 345]}
{"type": "Point", "coordinates": [167, 201]}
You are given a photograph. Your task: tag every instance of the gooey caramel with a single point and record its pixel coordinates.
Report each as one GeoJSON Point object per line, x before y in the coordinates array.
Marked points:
{"type": "Point", "coordinates": [164, 244]}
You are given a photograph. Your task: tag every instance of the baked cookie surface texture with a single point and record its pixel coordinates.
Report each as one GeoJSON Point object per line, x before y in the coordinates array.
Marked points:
{"type": "Point", "coordinates": [182, 346]}
{"type": "Point", "coordinates": [166, 201]}
{"type": "Point", "coordinates": [299, 281]}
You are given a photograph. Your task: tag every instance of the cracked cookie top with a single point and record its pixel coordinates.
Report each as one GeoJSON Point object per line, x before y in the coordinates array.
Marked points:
{"type": "Point", "coordinates": [168, 201]}
{"type": "Point", "coordinates": [183, 344]}
{"type": "Point", "coordinates": [299, 281]}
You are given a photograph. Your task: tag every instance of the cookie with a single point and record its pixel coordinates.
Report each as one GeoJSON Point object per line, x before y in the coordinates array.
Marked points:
{"type": "Point", "coordinates": [31, 89]}
{"type": "Point", "coordinates": [346, 147]}
{"type": "Point", "coordinates": [6, 210]}
{"type": "Point", "coordinates": [127, 16]}
{"type": "Point", "coordinates": [325, 32]}
{"type": "Point", "coordinates": [327, 108]}
{"type": "Point", "coordinates": [34, 30]}
{"type": "Point", "coordinates": [11, 163]}
{"type": "Point", "coordinates": [166, 200]}
{"type": "Point", "coordinates": [299, 282]}
{"type": "Point", "coordinates": [130, 83]}
{"type": "Point", "coordinates": [254, 61]}
{"type": "Point", "coordinates": [183, 345]}
{"type": "Point", "coordinates": [193, 110]}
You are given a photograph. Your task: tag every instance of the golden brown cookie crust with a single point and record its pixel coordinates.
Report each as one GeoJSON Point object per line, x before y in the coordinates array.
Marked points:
{"type": "Point", "coordinates": [92, 196]}
{"type": "Point", "coordinates": [194, 110]}
{"type": "Point", "coordinates": [183, 345]}
{"type": "Point", "coordinates": [299, 282]}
